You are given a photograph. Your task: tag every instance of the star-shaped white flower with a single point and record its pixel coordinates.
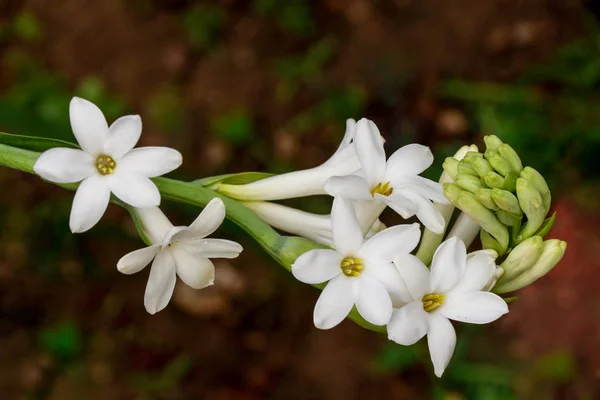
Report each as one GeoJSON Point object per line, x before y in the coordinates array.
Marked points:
{"type": "Point", "coordinates": [453, 289]}
{"type": "Point", "coordinates": [396, 182]}
{"type": "Point", "coordinates": [358, 272]}
{"type": "Point", "coordinates": [179, 250]}
{"type": "Point", "coordinates": [107, 163]}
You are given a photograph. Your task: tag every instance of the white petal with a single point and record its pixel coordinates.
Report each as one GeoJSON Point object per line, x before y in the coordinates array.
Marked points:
{"type": "Point", "coordinates": [62, 165]}
{"type": "Point", "coordinates": [137, 260]}
{"type": "Point", "coordinates": [405, 207]}
{"type": "Point", "coordinates": [426, 211]}
{"type": "Point", "coordinates": [347, 235]}
{"type": "Point", "coordinates": [351, 187]}
{"type": "Point", "coordinates": [415, 275]}
{"type": "Point", "coordinates": [441, 339]}
{"type": "Point", "coordinates": [89, 125]}
{"type": "Point", "coordinates": [161, 282]}
{"type": "Point", "coordinates": [123, 135]}
{"type": "Point", "coordinates": [317, 266]}
{"type": "Point", "coordinates": [479, 272]}
{"type": "Point", "coordinates": [134, 189]}
{"type": "Point", "coordinates": [411, 159]}
{"type": "Point", "coordinates": [151, 161]}
{"type": "Point", "coordinates": [348, 137]}
{"type": "Point", "coordinates": [335, 302]}
{"type": "Point", "coordinates": [213, 248]}
{"type": "Point", "coordinates": [408, 324]}
{"type": "Point", "coordinates": [387, 274]}
{"type": "Point", "coordinates": [474, 307]}
{"type": "Point", "coordinates": [373, 301]}
{"type": "Point", "coordinates": [89, 203]}
{"type": "Point", "coordinates": [369, 149]}
{"type": "Point", "coordinates": [206, 222]}
{"type": "Point", "coordinates": [427, 188]}
{"type": "Point", "coordinates": [155, 223]}
{"type": "Point", "coordinates": [448, 265]}
{"type": "Point", "coordinates": [196, 272]}
{"type": "Point", "coordinates": [391, 242]}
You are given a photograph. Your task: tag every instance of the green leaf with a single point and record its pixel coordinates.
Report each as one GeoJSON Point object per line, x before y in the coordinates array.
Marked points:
{"type": "Point", "coordinates": [233, 179]}
{"type": "Point", "coordinates": [546, 225]}
{"type": "Point", "coordinates": [64, 340]}
{"type": "Point", "coordinates": [33, 143]}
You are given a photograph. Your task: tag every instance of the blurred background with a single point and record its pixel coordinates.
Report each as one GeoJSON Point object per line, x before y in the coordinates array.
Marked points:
{"type": "Point", "coordinates": [267, 85]}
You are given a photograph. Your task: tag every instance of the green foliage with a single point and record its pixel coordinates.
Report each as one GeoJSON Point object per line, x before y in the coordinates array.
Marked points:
{"type": "Point", "coordinates": [166, 110]}
{"type": "Point", "coordinates": [165, 381]}
{"type": "Point", "coordinates": [558, 367]}
{"type": "Point", "coordinates": [396, 358]}
{"type": "Point", "coordinates": [64, 341]}
{"type": "Point", "coordinates": [292, 16]}
{"type": "Point", "coordinates": [26, 27]}
{"type": "Point", "coordinates": [202, 24]}
{"type": "Point", "coordinates": [236, 127]}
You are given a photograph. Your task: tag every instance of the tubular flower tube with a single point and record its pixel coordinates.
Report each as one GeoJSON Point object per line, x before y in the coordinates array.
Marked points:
{"type": "Point", "coordinates": [465, 229]}
{"type": "Point", "coordinates": [178, 251]}
{"type": "Point", "coordinates": [521, 258]}
{"type": "Point", "coordinates": [316, 227]}
{"type": "Point", "coordinates": [395, 182]}
{"type": "Point", "coordinates": [552, 253]}
{"type": "Point", "coordinates": [302, 183]}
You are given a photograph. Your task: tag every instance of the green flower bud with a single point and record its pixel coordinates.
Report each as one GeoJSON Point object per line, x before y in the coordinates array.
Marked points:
{"type": "Point", "coordinates": [471, 156]}
{"type": "Point", "coordinates": [467, 202]}
{"type": "Point", "coordinates": [493, 180]}
{"type": "Point", "coordinates": [485, 197]}
{"type": "Point", "coordinates": [451, 167]}
{"type": "Point", "coordinates": [511, 156]}
{"type": "Point", "coordinates": [521, 258]}
{"type": "Point", "coordinates": [498, 162]}
{"type": "Point", "coordinates": [488, 242]}
{"type": "Point", "coordinates": [466, 168]}
{"type": "Point", "coordinates": [510, 182]}
{"type": "Point", "coordinates": [553, 251]}
{"type": "Point", "coordinates": [507, 218]}
{"type": "Point", "coordinates": [469, 182]}
{"type": "Point", "coordinates": [506, 201]}
{"type": "Point", "coordinates": [492, 142]}
{"type": "Point", "coordinates": [530, 201]}
{"type": "Point", "coordinates": [538, 181]}
{"type": "Point", "coordinates": [546, 225]}
{"type": "Point", "coordinates": [482, 166]}
{"type": "Point", "coordinates": [452, 191]}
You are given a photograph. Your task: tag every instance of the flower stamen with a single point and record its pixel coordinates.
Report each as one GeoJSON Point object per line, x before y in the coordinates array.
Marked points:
{"type": "Point", "coordinates": [105, 164]}
{"type": "Point", "coordinates": [352, 266]}
{"type": "Point", "coordinates": [383, 189]}
{"type": "Point", "coordinates": [432, 301]}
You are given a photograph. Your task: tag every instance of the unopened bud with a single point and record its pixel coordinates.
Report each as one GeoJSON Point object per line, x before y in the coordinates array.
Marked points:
{"type": "Point", "coordinates": [493, 180]}
{"type": "Point", "coordinates": [510, 182]}
{"type": "Point", "coordinates": [482, 166]}
{"type": "Point", "coordinates": [451, 167]}
{"type": "Point", "coordinates": [553, 251]}
{"type": "Point", "coordinates": [530, 201]}
{"type": "Point", "coordinates": [498, 162]}
{"type": "Point", "coordinates": [452, 191]}
{"type": "Point", "coordinates": [510, 155]}
{"type": "Point", "coordinates": [521, 258]}
{"type": "Point", "coordinates": [492, 142]}
{"type": "Point", "coordinates": [546, 225]}
{"type": "Point", "coordinates": [471, 156]}
{"type": "Point", "coordinates": [469, 182]}
{"type": "Point", "coordinates": [507, 218]}
{"type": "Point", "coordinates": [465, 168]}
{"type": "Point", "coordinates": [485, 197]}
{"type": "Point", "coordinates": [488, 242]}
{"type": "Point", "coordinates": [538, 182]}
{"type": "Point", "coordinates": [468, 203]}
{"type": "Point", "coordinates": [506, 201]}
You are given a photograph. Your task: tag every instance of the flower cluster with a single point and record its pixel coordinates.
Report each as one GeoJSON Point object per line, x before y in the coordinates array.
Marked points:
{"type": "Point", "coordinates": [108, 163]}
{"type": "Point", "coordinates": [365, 268]}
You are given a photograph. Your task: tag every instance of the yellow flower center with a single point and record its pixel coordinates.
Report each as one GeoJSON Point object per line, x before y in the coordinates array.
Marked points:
{"type": "Point", "coordinates": [383, 189]}
{"type": "Point", "coordinates": [105, 164]}
{"type": "Point", "coordinates": [432, 301]}
{"type": "Point", "coordinates": [352, 266]}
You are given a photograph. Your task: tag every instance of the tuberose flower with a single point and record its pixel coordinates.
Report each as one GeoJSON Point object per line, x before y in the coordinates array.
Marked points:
{"type": "Point", "coordinates": [178, 251]}
{"type": "Point", "coordinates": [106, 163]}
{"type": "Point", "coordinates": [358, 273]}
{"type": "Point", "coordinates": [396, 182]}
{"type": "Point", "coordinates": [453, 289]}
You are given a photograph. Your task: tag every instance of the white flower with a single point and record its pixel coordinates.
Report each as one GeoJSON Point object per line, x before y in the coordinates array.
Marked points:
{"type": "Point", "coordinates": [396, 182]}
{"type": "Point", "coordinates": [359, 273]}
{"type": "Point", "coordinates": [105, 164]}
{"type": "Point", "coordinates": [452, 290]}
{"type": "Point", "coordinates": [301, 183]}
{"type": "Point", "coordinates": [179, 250]}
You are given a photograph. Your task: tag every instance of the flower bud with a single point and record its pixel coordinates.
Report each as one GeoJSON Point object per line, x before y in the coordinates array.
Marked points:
{"type": "Point", "coordinates": [510, 155]}
{"type": "Point", "coordinates": [485, 197]}
{"type": "Point", "coordinates": [469, 182]}
{"type": "Point", "coordinates": [482, 166]}
{"type": "Point", "coordinates": [530, 201]}
{"type": "Point", "coordinates": [538, 182]}
{"type": "Point", "coordinates": [451, 167]}
{"type": "Point", "coordinates": [510, 182]}
{"type": "Point", "coordinates": [465, 168]}
{"type": "Point", "coordinates": [493, 180]}
{"type": "Point", "coordinates": [488, 242]}
{"type": "Point", "coordinates": [451, 191]}
{"type": "Point", "coordinates": [492, 142]}
{"type": "Point", "coordinates": [521, 258]}
{"type": "Point", "coordinates": [507, 218]}
{"type": "Point", "coordinates": [498, 162]}
{"type": "Point", "coordinates": [468, 204]}
{"type": "Point", "coordinates": [506, 201]}
{"type": "Point", "coordinates": [552, 252]}
{"type": "Point", "coordinates": [471, 156]}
